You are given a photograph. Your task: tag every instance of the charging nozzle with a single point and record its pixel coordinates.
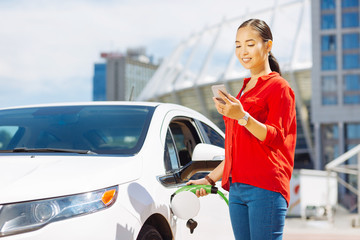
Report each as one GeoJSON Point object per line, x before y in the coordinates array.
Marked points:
{"type": "Point", "coordinates": [186, 205]}
{"type": "Point", "coordinates": [194, 188]}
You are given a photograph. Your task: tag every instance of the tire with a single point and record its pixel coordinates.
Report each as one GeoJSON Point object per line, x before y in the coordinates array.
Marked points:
{"type": "Point", "coordinates": [149, 232]}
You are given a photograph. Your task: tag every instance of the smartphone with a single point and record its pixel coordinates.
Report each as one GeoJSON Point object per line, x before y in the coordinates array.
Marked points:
{"type": "Point", "coordinates": [215, 89]}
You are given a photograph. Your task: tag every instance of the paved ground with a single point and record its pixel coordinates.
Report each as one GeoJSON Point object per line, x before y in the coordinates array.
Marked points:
{"type": "Point", "coordinates": [339, 229]}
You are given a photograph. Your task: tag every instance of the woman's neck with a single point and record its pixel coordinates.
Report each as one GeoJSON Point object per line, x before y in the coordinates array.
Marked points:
{"type": "Point", "coordinates": [260, 71]}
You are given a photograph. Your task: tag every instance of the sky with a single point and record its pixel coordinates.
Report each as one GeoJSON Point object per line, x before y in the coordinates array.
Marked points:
{"type": "Point", "coordinates": [48, 47]}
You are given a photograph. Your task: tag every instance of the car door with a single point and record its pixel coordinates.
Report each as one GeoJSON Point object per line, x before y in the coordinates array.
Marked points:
{"type": "Point", "coordinates": [183, 134]}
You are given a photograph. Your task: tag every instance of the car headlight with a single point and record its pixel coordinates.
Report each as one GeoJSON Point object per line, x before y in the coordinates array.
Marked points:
{"type": "Point", "coordinates": [28, 216]}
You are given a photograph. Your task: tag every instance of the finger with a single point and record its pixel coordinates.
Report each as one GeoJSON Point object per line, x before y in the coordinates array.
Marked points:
{"type": "Point", "coordinates": [219, 106]}
{"type": "Point", "coordinates": [203, 192]}
{"type": "Point", "coordinates": [219, 101]}
{"type": "Point", "coordinates": [232, 98]}
{"type": "Point", "coordinates": [198, 193]}
{"type": "Point", "coordinates": [224, 97]}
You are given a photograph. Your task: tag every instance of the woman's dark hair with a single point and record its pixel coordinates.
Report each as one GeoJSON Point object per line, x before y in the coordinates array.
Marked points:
{"type": "Point", "coordinates": [265, 33]}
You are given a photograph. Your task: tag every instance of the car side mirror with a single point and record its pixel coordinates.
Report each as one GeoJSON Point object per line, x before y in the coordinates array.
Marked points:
{"type": "Point", "coordinates": [208, 152]}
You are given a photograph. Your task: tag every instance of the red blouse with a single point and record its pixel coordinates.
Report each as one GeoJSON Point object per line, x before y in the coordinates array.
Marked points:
{"type": "Point", "coordinates": [265, 164]}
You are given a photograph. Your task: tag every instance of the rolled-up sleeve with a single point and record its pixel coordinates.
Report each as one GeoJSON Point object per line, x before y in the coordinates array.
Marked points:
{"type": "Point", "coordinates": [281, 115]}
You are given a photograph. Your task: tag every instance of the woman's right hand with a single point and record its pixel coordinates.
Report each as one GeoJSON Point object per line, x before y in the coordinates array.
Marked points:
{"type": "Point", "coordinates": [202, 181]}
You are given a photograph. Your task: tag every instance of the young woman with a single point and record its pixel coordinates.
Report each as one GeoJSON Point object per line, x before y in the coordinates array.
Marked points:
{"type": "Point", "coordinates": [260, 140]}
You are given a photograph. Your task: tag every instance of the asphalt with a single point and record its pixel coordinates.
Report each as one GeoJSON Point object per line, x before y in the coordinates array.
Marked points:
{"type": "Point", "coordinates": [339, 228]}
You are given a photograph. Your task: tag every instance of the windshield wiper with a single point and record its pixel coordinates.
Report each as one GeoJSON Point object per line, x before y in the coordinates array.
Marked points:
{"type": "Point", "coordinates": [43, 150]}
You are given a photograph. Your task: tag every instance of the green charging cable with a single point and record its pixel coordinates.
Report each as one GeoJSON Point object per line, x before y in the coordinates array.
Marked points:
{"type": "Point", "coordinates": [208, 189]}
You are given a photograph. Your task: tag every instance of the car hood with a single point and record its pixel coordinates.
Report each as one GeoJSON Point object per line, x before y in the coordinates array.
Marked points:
{"type": "Point", "coordinates": [26, 177]}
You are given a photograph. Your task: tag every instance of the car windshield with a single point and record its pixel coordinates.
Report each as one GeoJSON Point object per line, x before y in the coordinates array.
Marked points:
{"type": "Point", "coordinates": [96, 129]}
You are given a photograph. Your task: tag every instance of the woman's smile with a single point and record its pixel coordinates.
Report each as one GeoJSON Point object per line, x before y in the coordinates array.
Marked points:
{"type": "Point", "coordinates": [246, 60]}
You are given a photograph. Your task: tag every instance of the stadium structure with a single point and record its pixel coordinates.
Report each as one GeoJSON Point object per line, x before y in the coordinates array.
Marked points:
{"type": "Point", "coordinates": [208, 57]}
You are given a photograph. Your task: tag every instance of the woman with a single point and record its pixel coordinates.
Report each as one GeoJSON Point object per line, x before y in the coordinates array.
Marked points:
{"type": "Point", "coordinates": [260, 140]}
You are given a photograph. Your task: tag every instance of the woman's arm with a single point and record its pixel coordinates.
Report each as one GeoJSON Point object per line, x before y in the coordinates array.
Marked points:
{"type": "Point", "coordinates": [234, 109]}
{"type": "Point", "coordinates": [217, 173]}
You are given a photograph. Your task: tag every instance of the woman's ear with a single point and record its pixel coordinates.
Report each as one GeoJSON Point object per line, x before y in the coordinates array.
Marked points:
{"type": "Point", "coordinates": [269, 45]}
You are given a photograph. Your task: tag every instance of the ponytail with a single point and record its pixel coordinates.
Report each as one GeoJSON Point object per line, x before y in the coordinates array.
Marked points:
{"type": "Point", "coordinates": [274, 65]}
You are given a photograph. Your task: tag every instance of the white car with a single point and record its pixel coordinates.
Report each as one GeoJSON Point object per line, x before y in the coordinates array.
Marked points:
{"type": "Point", "coordinates": [105, 170]}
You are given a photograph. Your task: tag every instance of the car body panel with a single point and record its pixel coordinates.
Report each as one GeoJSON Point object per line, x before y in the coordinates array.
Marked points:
{"type": "Point", "coordinates": [34, 176]}
{"type": "Point", "coordinates": [61, 175]}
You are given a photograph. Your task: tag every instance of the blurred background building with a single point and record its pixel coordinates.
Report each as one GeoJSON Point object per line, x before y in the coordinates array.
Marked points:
{"type": "Point", "coordinates": [317, 44]}
{"type": "Point", "coordinates": [208, 57]}
{"type": "Point", "coordinates": [123, 76]}
{"type": "Point", "coordinates": [99, 82]}
{"type": "Point", "coordinates": [336, 84]}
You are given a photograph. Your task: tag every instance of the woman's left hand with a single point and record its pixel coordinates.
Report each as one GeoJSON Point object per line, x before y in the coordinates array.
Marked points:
{"type": "Point", "coordinates": [231, 107]}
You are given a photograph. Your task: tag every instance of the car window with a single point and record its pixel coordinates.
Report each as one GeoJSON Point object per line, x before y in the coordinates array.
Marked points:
{"type": "Point", "coordinates": [170, 155]}
{"type": "Point", "coordinates": [184, 137]}
{"type": "Point", "coordinates": [6, 134]}
{"type": "Point", "coordinates": [212, 136]}
{"type": "Point", "coordinates": [100, 129]}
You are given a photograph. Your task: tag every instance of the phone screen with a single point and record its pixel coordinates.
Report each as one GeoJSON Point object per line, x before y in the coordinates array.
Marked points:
{"type": "Point", "coordinates": [216, 88]}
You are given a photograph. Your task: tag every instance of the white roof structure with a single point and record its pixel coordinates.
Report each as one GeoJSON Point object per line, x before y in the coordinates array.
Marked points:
{"type": "Point", "coordinates": [208, 57]}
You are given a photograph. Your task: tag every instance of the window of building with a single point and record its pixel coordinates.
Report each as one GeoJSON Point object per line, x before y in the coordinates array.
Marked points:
{"type": "Point", "coordinates": [352, 138]}
{"type": "Point", "coordinates": [350, 19]}
{"type": "Point", "coordinates": [327, 4]}
{"type": "Point", "coordinates": [330, 142]}
{"type": "Point", "coordinates": [351, 61]}
{"type": "Point", "coordinates": [352, 98]}
{"type": "Point", "coordinates": [351, 41]}
{"type": "Point", "coordinates": [352, 89]}
{"type": "Point", "coordinates": [349, 3]}
{"type": "Point", "coordinates": [353, 131]}
{"type": "Point", "coordinates": [352, 82]}
{"type": "Point", "coordinates": [328, 43]}
{"type": "Point", "coordinates": [328, 62]}
{"type": "Point", "coordinates": [329, 84]}
{"type": "Point", "coordinates": [329, 90]}
{"type": "Point", "coordinates": [328, 21]}
{"type": "Point", "coordinates": [329, 99]}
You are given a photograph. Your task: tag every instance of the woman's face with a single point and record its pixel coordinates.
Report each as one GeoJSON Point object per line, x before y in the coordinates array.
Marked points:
{"type": "Point", "coordinates": [251, 50]}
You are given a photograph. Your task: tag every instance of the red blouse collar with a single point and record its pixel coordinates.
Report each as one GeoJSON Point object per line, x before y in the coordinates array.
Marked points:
{"type": "Point", "coordinates": [263, 78]}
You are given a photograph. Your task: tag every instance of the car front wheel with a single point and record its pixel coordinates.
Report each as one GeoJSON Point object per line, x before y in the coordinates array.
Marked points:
{"type": "Point", "coordinates": [148, 232]}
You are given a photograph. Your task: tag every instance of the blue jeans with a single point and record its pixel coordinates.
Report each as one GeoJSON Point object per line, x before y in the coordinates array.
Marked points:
{"type": "Point", "coordinates": [256, 213]}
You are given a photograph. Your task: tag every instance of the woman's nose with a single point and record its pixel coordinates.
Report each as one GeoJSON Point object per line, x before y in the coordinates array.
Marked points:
{"type": "Point", "coordinates": [244, 51]}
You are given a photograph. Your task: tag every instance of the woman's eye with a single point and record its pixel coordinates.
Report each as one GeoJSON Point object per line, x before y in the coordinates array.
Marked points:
{"type": "Point", "coordinates": [251, 45]}
{"type": "Point", "coordinates": [238, 46]}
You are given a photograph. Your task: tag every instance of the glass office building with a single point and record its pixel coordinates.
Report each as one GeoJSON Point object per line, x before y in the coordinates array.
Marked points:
{"type": "Point", "coordinates": [125, 75]}
{"type": "Point", "coordinates": [335, 78]}
{"type": "Point", "coordinates": [99, 82]}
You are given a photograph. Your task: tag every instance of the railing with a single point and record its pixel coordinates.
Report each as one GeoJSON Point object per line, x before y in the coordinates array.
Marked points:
{"type": "Point", "coordinates": [337, 167]}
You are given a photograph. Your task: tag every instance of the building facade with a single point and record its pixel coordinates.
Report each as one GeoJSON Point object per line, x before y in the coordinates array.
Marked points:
{"type": "Point", "coordinates": [335, 79]}
{"type": "Point", "coordinates": [99, 82]}
{"type": "Point", "coordinates": [127, 74]}
{"type": "Point", "coordinates": [207, 58]}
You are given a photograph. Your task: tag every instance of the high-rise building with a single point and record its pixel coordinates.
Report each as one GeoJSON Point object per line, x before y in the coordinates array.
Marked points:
{"type": "Point", "coordinates": [335, 79]}
{"type": "Point", "coordinates": [99, 82]}
{"type": "Point", "coordinates": [127, 74]}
